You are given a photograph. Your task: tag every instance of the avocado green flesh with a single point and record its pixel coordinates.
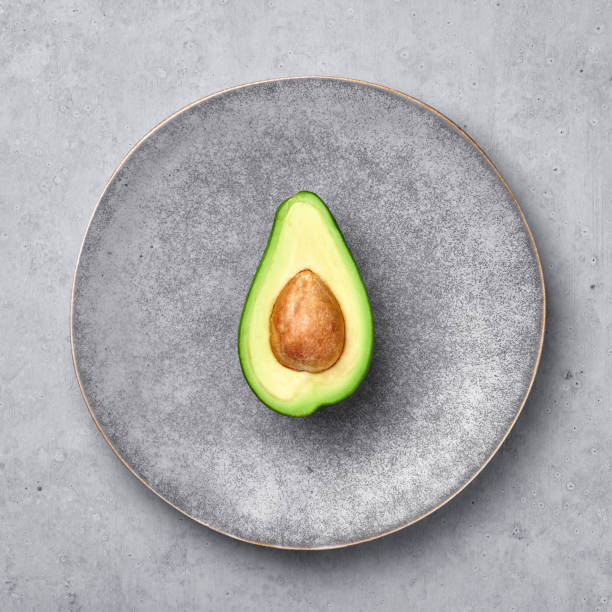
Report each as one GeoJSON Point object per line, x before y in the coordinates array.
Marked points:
{"type": "Point", "coordinates": [305, 236]}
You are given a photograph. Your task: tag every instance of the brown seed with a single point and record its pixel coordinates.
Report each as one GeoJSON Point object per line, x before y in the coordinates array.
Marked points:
{"type": "Point", "coordinates": [306, 325]}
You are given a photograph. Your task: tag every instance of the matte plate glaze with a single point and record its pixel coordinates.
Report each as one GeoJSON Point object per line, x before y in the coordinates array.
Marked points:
{"type": "Point", "coordinates": [449, 263]}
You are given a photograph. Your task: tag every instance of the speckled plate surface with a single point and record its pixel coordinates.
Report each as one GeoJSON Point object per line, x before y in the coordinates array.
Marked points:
{"type": "Point", "coordinates": [449, 263]}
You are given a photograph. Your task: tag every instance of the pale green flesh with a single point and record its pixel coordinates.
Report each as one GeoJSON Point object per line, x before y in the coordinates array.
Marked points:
{"type": "Point", "coordinates": [305, 236]}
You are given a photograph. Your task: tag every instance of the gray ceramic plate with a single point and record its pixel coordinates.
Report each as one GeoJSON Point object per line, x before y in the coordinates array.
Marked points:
{"type": "Point", "coordinates": [452, 273]}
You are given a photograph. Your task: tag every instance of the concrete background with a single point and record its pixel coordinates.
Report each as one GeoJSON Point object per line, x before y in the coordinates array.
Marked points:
{"type": "Point", "coordinates": [530, 81]}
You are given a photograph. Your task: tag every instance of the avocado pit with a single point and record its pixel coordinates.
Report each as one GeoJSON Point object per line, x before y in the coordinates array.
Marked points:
{"type": "Point", "coordinates": [307, 325]}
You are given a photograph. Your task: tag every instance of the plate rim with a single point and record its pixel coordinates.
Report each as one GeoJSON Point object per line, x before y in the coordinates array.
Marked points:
{"type": "Point", "coordinates": [523, 218]}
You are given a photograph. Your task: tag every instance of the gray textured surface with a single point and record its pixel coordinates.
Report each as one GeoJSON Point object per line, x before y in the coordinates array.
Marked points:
{"type": "Point", "coordinates": [531, 82]}
{"type": "Point", "coordinates": [453, 281]}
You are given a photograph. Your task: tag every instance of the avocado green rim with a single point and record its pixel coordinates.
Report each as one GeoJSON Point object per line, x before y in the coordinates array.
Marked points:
{"type": "Point", "coordinates": [305, 407]}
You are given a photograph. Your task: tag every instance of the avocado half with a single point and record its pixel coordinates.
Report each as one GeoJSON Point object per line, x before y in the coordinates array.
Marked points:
{"type": "Point", "coordinates": [305, 237]}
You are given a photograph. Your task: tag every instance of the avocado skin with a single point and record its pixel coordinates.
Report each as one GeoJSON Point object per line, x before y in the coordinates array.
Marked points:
{"type": "Point", "coordinates": [301, 408]}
